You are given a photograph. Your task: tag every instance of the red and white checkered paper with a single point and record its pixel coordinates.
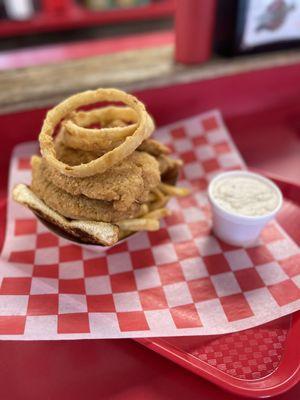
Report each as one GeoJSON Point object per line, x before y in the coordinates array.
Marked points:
{"type": "Point", "coordinates": [178, 281]}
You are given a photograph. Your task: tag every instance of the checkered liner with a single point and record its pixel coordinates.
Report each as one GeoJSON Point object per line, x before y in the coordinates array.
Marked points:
{"type": "Point", "coordinates": [176, 282]}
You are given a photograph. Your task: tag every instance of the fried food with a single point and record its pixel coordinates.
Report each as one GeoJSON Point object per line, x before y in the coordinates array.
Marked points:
{"type": "Point", "coordinates": [85, 231]}
{"type": "Point", "coordinates": [101, 178]}
{"type": "Point", "coordinates": [143, 130]}
{"type": "Point", "coordinates": [114, 128]}
{"type": "Point", "coordinates": [169, 169]}
{"type": "Point", "coordinates": [124, 184]}
{"type": "Point", "coordinates": [154, 147]}
{"type": "Point", "coordinates": [106, 117]}
{"type": "Point", "coordinates": [173, 190]}
{"type": "Point", "coordinates": [139, 224]}
{"type": "Point", "coordinates": [72, 156]}
{"type": "Point", "coordinates": [75, 207]}
{"type": "Point", "coordinates": [158, 213]}
{"type": "Point", "coordinates": [159, 202]}
{"type": "Point", "coordinates": [167, 163]}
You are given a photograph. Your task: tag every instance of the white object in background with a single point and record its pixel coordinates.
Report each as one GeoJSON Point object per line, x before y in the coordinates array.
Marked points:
{"type": "Point", "coordinates": [270, 21]}
{"type": "Point", "coordinates": [230, 225]}
{"type": "Point", "coordinates": [19, 9]}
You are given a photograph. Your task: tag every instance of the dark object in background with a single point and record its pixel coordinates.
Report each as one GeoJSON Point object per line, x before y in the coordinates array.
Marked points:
{"type": "Point", "coordinates": [3, 14]}
{"type": "Point", "coordinates": [253, 26]}
{"type": "Point", "coordinates": [194, 25]}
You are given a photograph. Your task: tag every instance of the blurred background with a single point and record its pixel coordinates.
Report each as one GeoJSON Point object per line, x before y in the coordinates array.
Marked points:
{"type": "Point", "coordinates": [202, 27]}
{"type": "Point", "coordinates": [32, 23]}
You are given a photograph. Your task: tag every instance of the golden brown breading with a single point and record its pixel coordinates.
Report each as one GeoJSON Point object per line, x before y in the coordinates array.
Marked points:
{"type": "Point", "coordinates": [154, 147]}
{"type": "Point", "coordinates": [75, 207]}
{"type": "Point", "coordinates": [125, 183]}
{"type": "Point", "coordinates": [167, 163]}
{"type": "Point", "coordinates": [169, 169]}
{"type": "Point", "coordinates": [71, 156]}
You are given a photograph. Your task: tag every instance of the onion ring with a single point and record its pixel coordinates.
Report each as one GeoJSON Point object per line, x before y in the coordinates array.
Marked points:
{"type": "Point", "coordinates": [145, 126]}
{"type": "Point", "coordinates": [78, 136]}
{"type": "Point", "coordinates": [104, 115]}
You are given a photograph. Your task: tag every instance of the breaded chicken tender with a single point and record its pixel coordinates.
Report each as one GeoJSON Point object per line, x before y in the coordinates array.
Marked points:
{"type": "Point", "coordinates": [154, 147]}
{"type": "Point", "coordinates": [75, 207]}
{"type": "Point", "coordinates": [124, 184]}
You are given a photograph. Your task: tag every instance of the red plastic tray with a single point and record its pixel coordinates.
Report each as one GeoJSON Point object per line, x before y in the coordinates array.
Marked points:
{"type": "Point", "coordinates": [267, 133]}
{"type": "Point", "coordinates": [259, 362]}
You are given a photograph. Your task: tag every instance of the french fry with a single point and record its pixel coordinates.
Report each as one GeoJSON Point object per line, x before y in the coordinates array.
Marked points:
{"type": "Point", "coordinates": [152, 197]}
{"type": "Point", "coordinates": [159, 195]}
{"type": "Point", "coordinates": [159, 213]}
{"type": "Point", "coordinates": [173, 190]}
{"type": "Point", "coordinates": [159, 203]}
{"type": "Point", "coordinates": [139, 224]}
{"type": "Point", "coordinates": [124, 234]}
{"type": "Point", "coordinates": [144, 210]}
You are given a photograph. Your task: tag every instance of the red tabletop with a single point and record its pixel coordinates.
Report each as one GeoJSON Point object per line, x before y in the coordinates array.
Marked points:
{"type": "Point", "coordinates": [102, 369]}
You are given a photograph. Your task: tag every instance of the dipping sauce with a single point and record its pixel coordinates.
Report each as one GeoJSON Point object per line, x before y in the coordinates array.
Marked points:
{"type": "Point", "coordinates": [245, 195]}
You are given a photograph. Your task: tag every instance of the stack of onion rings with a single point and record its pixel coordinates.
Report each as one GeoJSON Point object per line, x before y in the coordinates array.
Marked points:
{"type": "Point", "coordinates": [126, 139]}
{"type": "Point", "coordinates": [78, 136]}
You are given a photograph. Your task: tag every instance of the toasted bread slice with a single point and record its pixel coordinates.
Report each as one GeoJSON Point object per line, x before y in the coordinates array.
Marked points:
{"type": "Point", "coordinates": [93, 232]}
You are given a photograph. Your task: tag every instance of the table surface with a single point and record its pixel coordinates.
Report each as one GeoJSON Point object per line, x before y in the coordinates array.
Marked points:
{"type": "Point", "coordinates": [107, 369]}
{"type": "Point", "coordinates": [45, 85]}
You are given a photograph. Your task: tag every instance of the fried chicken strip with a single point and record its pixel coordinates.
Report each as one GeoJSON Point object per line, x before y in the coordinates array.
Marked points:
{"type": "Point", "coordinates": [154, 147]}
{"type": "Point", "coordinates": [169, 168]}
{"type": "Point", "coordinates": [125, 183]}
{"type": "Point", "coordinates": [75, 207]}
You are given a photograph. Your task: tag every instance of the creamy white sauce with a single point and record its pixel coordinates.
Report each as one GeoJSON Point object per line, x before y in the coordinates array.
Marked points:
{"type": "Point", "coordinates": [245, 195]}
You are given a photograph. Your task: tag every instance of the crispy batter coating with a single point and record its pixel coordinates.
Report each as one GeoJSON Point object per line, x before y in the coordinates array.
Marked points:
{"type": "Point", "coordinates": [71, 156]}
{"type": "Point", "coordinates": [112, 196]}
{"type": "Point", "coordinates": [154, 147]}
{"type": "Point", "coordinates": [88, 139]}
{"type": "Point", "coordinates": [169, 169]}
{"type": "Point", "coordinates": [75, 207]}
{"type": "Point", "coordinates": [124, 184]}
{"type": "Point", "coordinates": [166, 163]}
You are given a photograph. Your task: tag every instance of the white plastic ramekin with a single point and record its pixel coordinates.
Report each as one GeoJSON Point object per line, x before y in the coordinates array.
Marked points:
{"type": "Point", "coordinates": [236, 229]}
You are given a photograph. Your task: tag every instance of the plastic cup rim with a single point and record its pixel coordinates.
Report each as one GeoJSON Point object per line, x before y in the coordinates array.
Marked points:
{"type": "Point", "coordinates": [241, 217]}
